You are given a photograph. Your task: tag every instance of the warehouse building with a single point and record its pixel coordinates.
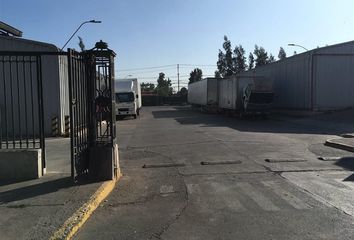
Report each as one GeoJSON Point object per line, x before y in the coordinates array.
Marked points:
{"type": "Point", "coordinates": [320, 79]}
{"type": "Point", "coordinates": [55, 82]}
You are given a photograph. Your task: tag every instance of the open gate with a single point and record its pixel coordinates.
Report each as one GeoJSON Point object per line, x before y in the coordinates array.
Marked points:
{"type": "Point", "coordinates": [92, 104]}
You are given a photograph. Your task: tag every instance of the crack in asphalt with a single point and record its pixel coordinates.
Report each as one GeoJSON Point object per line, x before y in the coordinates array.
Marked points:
{"type": "Point", "coordinates": [165, 228]}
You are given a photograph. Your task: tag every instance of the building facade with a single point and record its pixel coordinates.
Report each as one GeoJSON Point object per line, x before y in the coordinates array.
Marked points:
{"type": "Point", "coordinates": [54, 76]}
{"type": "Point", "coordinates": [320, 79]}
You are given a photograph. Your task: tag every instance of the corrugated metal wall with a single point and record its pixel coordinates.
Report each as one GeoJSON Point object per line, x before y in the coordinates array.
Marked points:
{"type": "Point", "coordinates": [333, 81]}
{"type": "Point", "coordinates": [19, 105]}
{"type": "Point", "coordinates": [52, 91]}
{"type": "Point", "coordinates": [320, 79]}
{"type": "Point", "coordinates": [290, 81]}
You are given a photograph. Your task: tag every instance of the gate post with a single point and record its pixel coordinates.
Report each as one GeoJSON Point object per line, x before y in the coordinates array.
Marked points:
{"type": "Point", "coordinates": [103, 149]}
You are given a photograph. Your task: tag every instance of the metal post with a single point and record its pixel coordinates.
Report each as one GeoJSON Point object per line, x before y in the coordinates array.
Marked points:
{"type": "Point", "coordinates": [41, 111]}
{"type": "Point", "coordinates": [178, 77]}
{"type": "Point", "coordinates": [70, 78]}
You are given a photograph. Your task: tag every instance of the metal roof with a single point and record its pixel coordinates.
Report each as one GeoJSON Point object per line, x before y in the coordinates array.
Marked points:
{"type": "Point", "coordinates": [9, 30]}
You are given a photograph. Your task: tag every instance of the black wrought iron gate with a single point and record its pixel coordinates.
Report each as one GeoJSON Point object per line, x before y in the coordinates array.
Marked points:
{"type": "Point", "coordinates": [79, 111]}
{"type": "Point", "coordinates": [92, 105]}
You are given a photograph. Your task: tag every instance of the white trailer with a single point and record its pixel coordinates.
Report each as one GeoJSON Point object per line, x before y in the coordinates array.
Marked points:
{"type": "Point", "coordinates": [245, 94]}
{"type": "Point", "coordinates": [128, 97]}
{"type": "Point", "coordinates": [203, 92]}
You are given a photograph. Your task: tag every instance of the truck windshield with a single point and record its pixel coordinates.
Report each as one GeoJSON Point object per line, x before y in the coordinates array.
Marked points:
{"type": "Point", "coordinates": [125, 97]}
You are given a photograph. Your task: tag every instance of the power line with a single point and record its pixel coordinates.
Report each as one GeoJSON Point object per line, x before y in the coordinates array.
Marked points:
{"type": "Point", "coordinates": [153, 71]}
{"type": "Point", "coordinates": [170, 65]}
{"type": "Point", "coordinates": [172, 78]}
{"type": "Point", "coordinates": [143, 68]}
{"type": "Point", "coordinates": [198, 65]}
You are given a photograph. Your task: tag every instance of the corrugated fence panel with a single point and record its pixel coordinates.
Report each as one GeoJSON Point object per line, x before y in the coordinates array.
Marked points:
{"type": "Point", "coordinates": [291, 81]}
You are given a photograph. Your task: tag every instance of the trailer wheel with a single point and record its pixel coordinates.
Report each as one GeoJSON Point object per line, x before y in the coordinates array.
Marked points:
{"type": "Point", "coordinates": [134, 116]}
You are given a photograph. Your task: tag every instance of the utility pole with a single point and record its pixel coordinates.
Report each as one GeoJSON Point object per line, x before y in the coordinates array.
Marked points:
{"type": "Point", "coordinates": [178, 77]}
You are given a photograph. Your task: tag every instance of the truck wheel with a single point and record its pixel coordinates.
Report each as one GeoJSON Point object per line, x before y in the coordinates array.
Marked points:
{"type": "Point", "coordinates": [134, 116]}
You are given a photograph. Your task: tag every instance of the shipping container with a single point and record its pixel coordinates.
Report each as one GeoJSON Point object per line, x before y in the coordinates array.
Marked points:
{"type": "Point", "coordinates": [203, 92]}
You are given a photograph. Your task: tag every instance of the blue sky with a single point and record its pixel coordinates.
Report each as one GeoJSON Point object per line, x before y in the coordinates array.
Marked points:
{"type": "Point", "coordinates": [148, 33]}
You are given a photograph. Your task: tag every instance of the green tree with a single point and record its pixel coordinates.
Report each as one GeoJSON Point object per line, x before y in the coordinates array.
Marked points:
{"type": "Point", "coordinates": [271, 58]}
{"type": "Point", "coordinates": [195, 75]}
{"type": "Point", "coordinates": [183, 91]}
{"type": "Point", "coordinates": [240, 64]}
{"type": "Point", "coordinates": [261, 56]}
{"type": "Point", "coordinates": [81, 44]}
{"type": "Point", "coordinates": [163, 86]}
{"type": "Point", "coordinates": [225, 60]}
{"type": "Point", "coordinates": [147, 87]}
{"type": "Point", "coordinates": [221, 63]}
{"type": "Point", "coordinates": [217, 74]}
{"type": "Point", "coordinates": [282, 54]}
{"type": "Point", "coordinates": [250, 61]}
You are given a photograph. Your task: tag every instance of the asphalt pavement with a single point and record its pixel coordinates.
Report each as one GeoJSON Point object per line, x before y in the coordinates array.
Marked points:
{"type": "Point", "coordinates": [35, 209]}
{"type": "Point", "coordinates": [192, 175]}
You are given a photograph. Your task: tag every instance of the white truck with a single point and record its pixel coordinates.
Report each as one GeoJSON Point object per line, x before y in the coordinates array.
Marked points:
{"type": "Point", "coordinates": [128, 97]}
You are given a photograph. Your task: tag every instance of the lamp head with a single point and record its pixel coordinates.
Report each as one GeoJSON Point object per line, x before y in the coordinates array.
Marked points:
{"type": "Point", "coordinates": [95, 21]}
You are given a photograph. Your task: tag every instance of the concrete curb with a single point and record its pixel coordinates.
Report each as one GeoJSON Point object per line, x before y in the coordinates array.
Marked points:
{"type": "Point", "coordinates": [77, 220]}
{"type": "Point", "coordinates": [341, 146]}
{"type": "Point", "coordinates": [347, 135]}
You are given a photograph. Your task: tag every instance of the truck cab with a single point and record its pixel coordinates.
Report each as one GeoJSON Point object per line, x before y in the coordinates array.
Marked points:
{"type": "Point", "coordinates": [128, 98]}
{"type": "Point", "coordinates": [126, 104]}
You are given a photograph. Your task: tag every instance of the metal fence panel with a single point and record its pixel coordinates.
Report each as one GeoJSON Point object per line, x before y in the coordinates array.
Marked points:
{"type": "Point", "coordinates": [21, 102]}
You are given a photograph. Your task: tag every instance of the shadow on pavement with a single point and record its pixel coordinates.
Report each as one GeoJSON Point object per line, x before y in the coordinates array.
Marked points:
{"type": "Point", "coordinates": [35, 190]}
{"type": "Point", "coordinates": [348, 164]}
{"type": "Point", "coordinates": [326, 124]}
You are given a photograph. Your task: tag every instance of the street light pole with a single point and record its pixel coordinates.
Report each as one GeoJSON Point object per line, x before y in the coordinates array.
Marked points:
{"type": "Point", "coordinates": [296, 45]}
{"type": "Point", "coordinates": [91, 21]}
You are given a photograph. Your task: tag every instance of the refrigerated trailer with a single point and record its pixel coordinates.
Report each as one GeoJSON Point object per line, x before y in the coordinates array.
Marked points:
{"type": "Point", "coordinates": [203, 93]}
{"type": "Point", "coordinates": [245, 94]}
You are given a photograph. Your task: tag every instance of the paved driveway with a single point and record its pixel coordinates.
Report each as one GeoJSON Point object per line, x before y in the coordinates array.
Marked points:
{"type": "Point", "coordinates": [215, 177]}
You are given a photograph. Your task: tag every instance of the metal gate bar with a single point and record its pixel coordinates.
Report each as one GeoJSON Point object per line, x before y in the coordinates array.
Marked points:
{"type": "Point", "coordinates": [21, 102]}
{"type": "Point", "coordinates": [79, 127]}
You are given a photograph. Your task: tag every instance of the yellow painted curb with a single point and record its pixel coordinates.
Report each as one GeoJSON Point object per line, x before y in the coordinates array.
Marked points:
{"type": "Point", "coordinates": [73, 224]}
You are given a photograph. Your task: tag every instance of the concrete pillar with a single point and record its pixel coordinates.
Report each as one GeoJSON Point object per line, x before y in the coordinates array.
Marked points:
{"type": "Point", "coordinates": [104, 162]}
